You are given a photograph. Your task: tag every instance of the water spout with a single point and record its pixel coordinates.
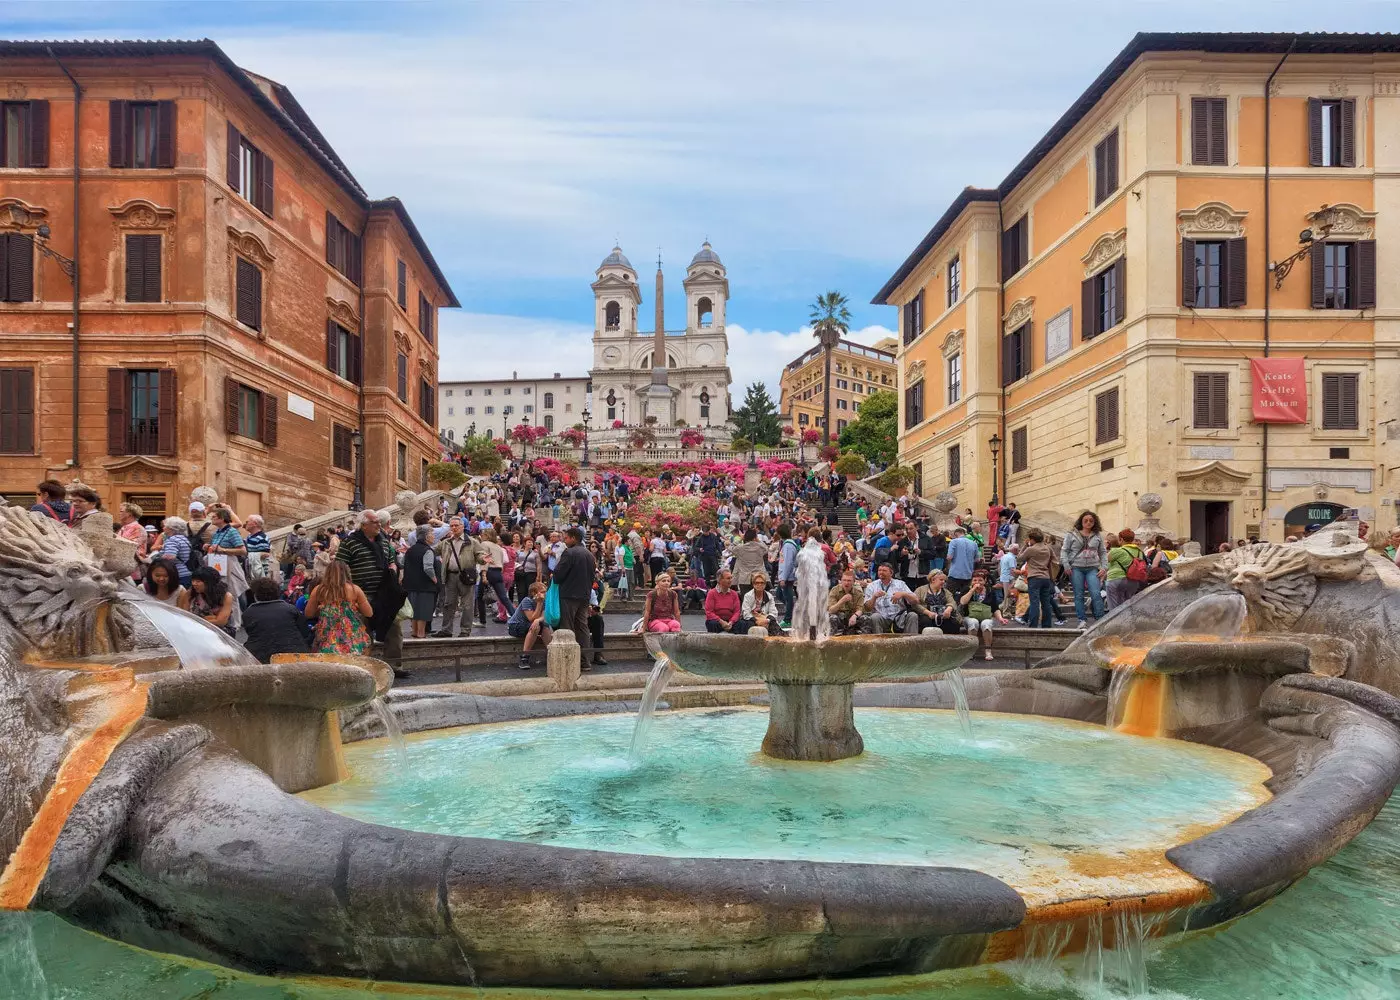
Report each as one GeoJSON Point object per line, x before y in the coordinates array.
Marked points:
{"type": "Point", "coordinates": [1219, 615]}
{"type": "Point", "coordinates": [809, 618]}
{"type": "Point", "coordinates": [392, 729]}
{"type": "Point", "coordinates": [958, 683]}
{"type": "Point", "coordinates": [661, 675]}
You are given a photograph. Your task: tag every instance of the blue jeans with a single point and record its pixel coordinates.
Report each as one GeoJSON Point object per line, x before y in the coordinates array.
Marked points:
{"type": "Point", "coordinates": [787, 597]}
{"type": "Point", "coordinates": [1041, 613]}
{"type": "Point", "coordinates": [1087, 578]}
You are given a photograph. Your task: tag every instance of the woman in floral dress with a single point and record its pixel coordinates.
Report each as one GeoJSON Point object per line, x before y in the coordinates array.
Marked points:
{"type": "Point", "coordinates": [341, 610]}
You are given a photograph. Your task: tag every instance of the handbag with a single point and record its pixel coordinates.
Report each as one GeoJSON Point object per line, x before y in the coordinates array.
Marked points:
{"type": "Point", "coordinates": [551, 606]}
{"type": "Point", "coordinates": [978, 611]}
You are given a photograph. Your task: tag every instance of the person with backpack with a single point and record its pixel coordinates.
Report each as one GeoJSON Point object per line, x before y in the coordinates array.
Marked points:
{"type": "Point", "coordinates": [787, 571]}
{"type": "Point", "coordinates": [175, 546]}
{"type": "Point", "coordinates": [53, 501]}
{"type": "Point", "coordinates": [1127, 569]}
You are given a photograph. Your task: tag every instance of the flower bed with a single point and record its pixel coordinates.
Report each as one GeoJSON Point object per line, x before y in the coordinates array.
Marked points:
{"type": "Point", "coordinates": [673, 508]}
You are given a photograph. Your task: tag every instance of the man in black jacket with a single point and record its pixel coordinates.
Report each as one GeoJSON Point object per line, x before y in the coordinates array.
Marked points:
{"type": "Point", "coordinates": [574, 575]}
{"type": "Point", "coordinates": [708, 549]}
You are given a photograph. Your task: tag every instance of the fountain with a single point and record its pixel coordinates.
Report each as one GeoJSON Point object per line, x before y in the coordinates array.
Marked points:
{"type": "Point", "coordinates": [146, 798]}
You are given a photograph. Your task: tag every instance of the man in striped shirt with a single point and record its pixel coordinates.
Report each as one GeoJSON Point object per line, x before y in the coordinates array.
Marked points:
{"type": "Point", "coordinates": [371, 560]}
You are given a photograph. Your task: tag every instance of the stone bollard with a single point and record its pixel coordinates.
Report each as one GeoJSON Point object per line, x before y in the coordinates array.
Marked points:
{"type": "Point", "coordinates": [759, 631]}
{"type": "Point", "coordinates": [931, 631]}
{"type": "Point", "coordinates": [563, 659]}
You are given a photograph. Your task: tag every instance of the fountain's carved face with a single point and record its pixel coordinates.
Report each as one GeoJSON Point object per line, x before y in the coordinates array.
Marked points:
{"type": "Point", "coordinates": [1277, 581]}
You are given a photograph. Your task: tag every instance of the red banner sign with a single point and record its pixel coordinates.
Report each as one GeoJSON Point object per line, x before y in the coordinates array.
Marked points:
{"type": "Point", "coordinates": [1280, 390]}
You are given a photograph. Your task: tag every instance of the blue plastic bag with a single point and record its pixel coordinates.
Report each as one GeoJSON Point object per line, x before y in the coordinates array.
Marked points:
{"type": "Point", "coordinates": [551, 606]}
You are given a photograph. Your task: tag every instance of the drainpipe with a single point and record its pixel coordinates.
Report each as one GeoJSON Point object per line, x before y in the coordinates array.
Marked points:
{"type": "Point", "coordinates": [77, 257]}
{"type": "Point", "coordinates": [1001, 351]}
{"type": "Point", "coordinates": [360, 389]}
{"type": "Point", "coordinates": [1268, 276]}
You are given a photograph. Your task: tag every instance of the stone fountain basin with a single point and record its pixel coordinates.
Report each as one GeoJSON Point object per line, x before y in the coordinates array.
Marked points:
{"type": "Point", "coordinates": [840, 660]}
{"type": "Point", "coordinates": [1267, 654]}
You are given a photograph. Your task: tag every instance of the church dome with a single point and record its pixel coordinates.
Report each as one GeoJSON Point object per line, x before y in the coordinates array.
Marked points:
{"type": "Point", "coordinates": [616, 259]}
{"type": "Point", "coordinates": [706, 255]}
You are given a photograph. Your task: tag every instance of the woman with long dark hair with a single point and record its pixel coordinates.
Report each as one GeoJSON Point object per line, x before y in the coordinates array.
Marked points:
{"type": "Point", "coordinates": [1084, 556]}
{"type": "Point", "coordinates": [209, 598]}
{"type": "Point", "coordinates": [163, 581]}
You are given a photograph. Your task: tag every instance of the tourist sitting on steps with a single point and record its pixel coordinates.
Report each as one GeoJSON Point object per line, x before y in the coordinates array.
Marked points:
{"type": "Point", "coordinates": [937, 607]}
{"type": "Point", "coordinates": [978, 612]}
{"type": "Point", "coordinates": [889, 603]}
{"type": "Point", "coordinates": [843, 606]}
{"type": "Point", "coordinates": [723, 605]}
{"type": "Point", "coordinates": [663, 607]}
{"type": "Point", "coordinates": [759, 610]}
{"type": "Point", "coordinates": [528, 623]}
{"type": "Point", "coordinates": [273, 625]}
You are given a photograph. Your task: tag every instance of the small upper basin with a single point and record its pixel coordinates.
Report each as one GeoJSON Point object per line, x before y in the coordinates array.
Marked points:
{"type": "Point", "coordinates": [841, 660]}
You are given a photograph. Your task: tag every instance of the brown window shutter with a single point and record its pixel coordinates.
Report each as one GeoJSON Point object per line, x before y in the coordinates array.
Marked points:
{"type": "Point", "coordinates": [403, 285]}
{"type": "Point", "coordinates": [1236, 272]}
{"type": "Point", "coordinates": [118, 149]}
{"type": "Point", "coordinates": [332, 346]}
{"type": "Point", "coordinates": [332, 241]}
{"type": "Point", "coordinates": [235, 140]}
{"type": "Point", "coordinates": [1200, 399]}
{"type": "Point", "coordinates": [1110, 163]}
{"type": "Point", "coordinates": [1023, 343]}
{"type": "Point", "coordinates": [267, 419]}
{"type": "Point", "coordinates": [356, 360]}
{"type": "Point", "coordinates": [37, 155]}
{"type": "Point", "coordinates": [247, 299]}
{"type": "Point", "coordinates": [1100, 169]}
{"type": "Point", "coordinates": [256, 281]}
{"type": "Point", "coordinates": [1330, 398]}
{"type": "Point", "coordinates": [230, 406]}
{"type": "Point", "coordinates": [118, 411]}
{"type": "Point", "coordinates": [1008, 369]}
{"type": "Point", "coordinates": [20, 264]}
{"type": "Point", "coordinates": [135, 270]}
{"type": "Point", "coordinates": [1347, 153]}
{"type": "Point", "coordinates": [4, 267]}
{"type": "Point", "coordinates": [1218, 151]}
{"type": "Point", "coordinates": [1220, 398]}
{"type": "Point", "coordinates": [165, 134]}
{"type": "Point", "coordinates": [265, 185]}
{"type": "Point", "coordinates": [1350, 403]}
{"type": "Point", "coordinates": [1314, 132]}
{"type": "Point", "coordinates": [1200, 130]}
{"type": "Point", "coordinates": [1365, 271]}
{"type": "Point", "coordinates": [1316, 262]}
{"type": "Point", "coordinates": [1120, 288]}
{"type": "Point", "coordinates": [153, 269]}
{"type": "Point", "coordinates": [167, 417]}
{"type": "Point", "coordinates": [1100, 419]}
{"type": "Point", "coordinates": [1088, 310]}
{"type": "Point", "coordinates": [1188, 269]}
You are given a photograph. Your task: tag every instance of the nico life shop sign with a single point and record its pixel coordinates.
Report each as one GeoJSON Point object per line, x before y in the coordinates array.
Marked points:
{"type": "Point", "coordinates": [1280, 390]}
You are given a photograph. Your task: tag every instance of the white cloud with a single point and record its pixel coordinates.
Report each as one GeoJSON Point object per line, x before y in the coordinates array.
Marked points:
{"type": "Point", "coordinates": [761, 355]}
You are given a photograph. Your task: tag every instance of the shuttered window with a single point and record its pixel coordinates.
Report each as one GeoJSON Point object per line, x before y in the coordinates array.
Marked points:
{"type": "Point", "coordinates": [1106, 167]}
{"type": "Point", "coordinates": [249, 294]}
{"type": "Point", "coordinates": [1016, 354]}
{"type": "Point", "coordinates": [425, 317]}
{"type": "Point", "coordinates": [1104, 299]}
{"type": "Point", "coordinates": [403, 377]}
{"type": "Point", "coordinates": [913, 404]}
{"type": "Point", "coordinates": [343, 352]}
{"type": "Point", "coordinates": [16, 411]}
{"type": "Point", "coordinates": [1208, 136]}
{"type": "Point", "coordinates": [141, 411]}
{"type": "Point", "coordinates": [913, 318]}
{"type": "Point", "coordinates": [1332, 132]}
{"type": "Point", "coordinates": [401, 460]}
{"type": "Point", "coordinates": [955, 465]}
{"type": "Point", "coordinates": [954, 378]}
{"type": "Point", "coordinates": [1213, 273]}
{"type": "Point", "coordinates": [1015, 247]}
{"type": "Point", "coordinates": [16, 267]}
{"type": "Point", "coordinates": [24, 134]}
{"type": "Point", "coordinates": [249, 171]}
{"type": "Point", "coordinates": [250, 412]}
{"type": "Point", "coordinates": [1344, 275]}
{"type": "Point", "coordinates": [403, 285]}
{"type": "Point", "coordinates": [1210, 400]}
{"type": "Point", "coordinates": [143, 268]}
{"type": "Point", "coordinates": [1106, 416]}
{"type": "Point", "coordinates": [342, 447]}
{"type": "Point", "coordinates": [141, 134]}
{"type": "Point", "coordinates": [1341, 403]}
{"type": "Point", "coordinates": [342, 248]}
{"type": "Point", "coordinates": [427, 401]}
{"type": "Point", "coordinates": [954, 281]}
{"type": "Point", "coordinates": [1020, 449]}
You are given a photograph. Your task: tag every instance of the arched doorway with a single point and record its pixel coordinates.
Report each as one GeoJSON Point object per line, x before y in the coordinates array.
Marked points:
{"type": "Point", "coordinates": [1318, 512]}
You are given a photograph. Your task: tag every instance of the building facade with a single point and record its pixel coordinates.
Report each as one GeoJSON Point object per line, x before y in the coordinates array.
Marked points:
{"type": "Point", "coordinates": [246, 316]}
{"type": "Point", "coordinates": [857, 372]}
{"type": "Point", "coordinates": [491, 407]}
{"type": "Point", "coordinates": [1180, 291]}
{"type": "Point", "coordinates": [631, 380]}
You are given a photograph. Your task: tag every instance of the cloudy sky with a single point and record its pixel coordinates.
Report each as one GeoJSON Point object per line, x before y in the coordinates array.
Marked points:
{"type": "Point", "coordinates": [813, 143]}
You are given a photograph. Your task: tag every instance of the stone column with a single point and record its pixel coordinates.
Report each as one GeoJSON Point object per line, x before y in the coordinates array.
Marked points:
{"type": "Point", "coordinates": [811, 722]}
{"type": "Point", "coordinates": [563, 660]}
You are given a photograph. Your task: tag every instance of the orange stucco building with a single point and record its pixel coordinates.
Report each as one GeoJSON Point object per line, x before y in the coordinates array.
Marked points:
{"type": "Point", "coordinates": [247, 317]}
{"type": "Point", "coordinates": [1099, 310]}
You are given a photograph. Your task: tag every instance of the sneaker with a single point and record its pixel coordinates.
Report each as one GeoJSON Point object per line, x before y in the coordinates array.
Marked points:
{"type": "Point", "coordinates": [1019, 620]}
{"type": "Point", "coordinates": [442, 633]}
{"type": "Point", "coordinates": [524, 661]}
{"type": "Point", "coordinates": [598, 661]}
{"type": "Point", "coordinates": [1060, 623]}
{"type": "Point", "coordinates": [1082, 625]}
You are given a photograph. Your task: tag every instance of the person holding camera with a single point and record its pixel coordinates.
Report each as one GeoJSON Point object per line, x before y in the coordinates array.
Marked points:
{"type": "Point", "coordinates": [460, 555]}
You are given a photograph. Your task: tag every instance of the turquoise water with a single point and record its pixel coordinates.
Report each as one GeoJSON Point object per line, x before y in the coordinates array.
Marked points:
{"type": "Point", "coordinates": [1333, 936]}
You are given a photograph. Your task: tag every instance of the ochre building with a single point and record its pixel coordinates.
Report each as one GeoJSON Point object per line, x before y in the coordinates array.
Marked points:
{"type": "Point", "coordinates": [857, 372]}
{"type": "Point", "coordinates": [1211, 205]}
{"type": "Point", "coordinates": [247, 316]}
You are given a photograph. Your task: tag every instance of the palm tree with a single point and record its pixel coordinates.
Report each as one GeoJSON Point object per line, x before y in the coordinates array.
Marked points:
{"type": "Point", "coordinates": [830, 320]}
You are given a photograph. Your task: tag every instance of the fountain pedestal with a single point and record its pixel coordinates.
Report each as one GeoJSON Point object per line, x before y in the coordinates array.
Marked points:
{"type": "Point", "coordinates": [811, 722]}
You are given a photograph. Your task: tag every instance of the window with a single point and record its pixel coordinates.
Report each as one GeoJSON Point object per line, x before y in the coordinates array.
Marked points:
{"type": "Point", "coordinates": [142, 268]}
{"type": "Point", "coordinates": [549, 422]}
{"type": "Point", "coordinates": [343, 352]}
{"type": "Point", "coordinates": [870, 389]}
{"type": "Point", "coordinates": [704, 312]}
{"type": "Point", "coordinates": [913, 318]}
{"type": "Point", "coordinates": [1104, 298]}
{"type": "Point", "coordinates": [403, 379]}
{"type": "Point", "coordinates": [1339, 453]}
{"type": "Point", "coordinates": [341, 447]}
{"type": "Point", "coordinates": [422, 474]}
{"type": "Point", "coordinates": [954, 379]}
{"type": "Point", "coordinates": [1106, 416]}
{"type": "Point", "coordinates": [343, 248]}
{"type": "Point", "coordinates": [1344, 275]}
{"type": "Point", "coordinates": [1331, 132]}
{"type": "Point", "coordinates": [488, 430]}
{"type": "Point", "coordinates": [449, 394]}
{"type": "Point", "coordinates": [1213, 273]}
{"type": "Point", "coordinates": [1208, 146]}
{"type": "Point", "coordinates": [249, 171]}
{"type": "Point", "coordinates": [568, 407]}
{"type": "Point", "coordinates": [549, 401]}
{"type": "Point", "coordinates": [955, 465]}
{"type": "Point", "coordinates": [1015, 247]}
{"type": "Point", "coordinates": [841, 404]}
{"type": "Point", "coordinates": [1210, 400]}
{"type": "Point", "coordinates": [450, 411]}
{"type": "Point", "coordinates": [505, 391]}
{"type": "Point", "coordinates": [704, 411]}
{"type": "Point", "coordinates": [490, 410]}
{"type": "Point", "coordinates": [612, 316]}
{"type": "Point", "coordinates": [141, 411]}
{"type": "Point", "coordinates": [24, 134]}
{"type": "Point", "coordinates": [1020, 450]}
{"type": "Point", "coordinates": [802, 420]}
{"type": "Point", "coordinates": [484, 392]}
{"type": "Point", "coordinates": [842, 384]}
{"type": "Point", "coordinates": [918, 484]}
{"type": "Point", "coordinates": [16, 411]}
{"type": "Point", "coordinates": [248, 294]}
{"type": "Point", "coordinates": [16, 267]}
{"type": "Point", "coordinates": [525, 391]}
{"type": "Point", "coordinates": [1106, 167]}
{"type": "Point", "coordinates": [470, 410]}
{"type": "Point", "coordinates": [1016, 354]}
{"type": "Point", "coordinates": [913, 404]}
{"type": "Point", "coordinates": [954, 280]}
{"type": "Point", "coordinates": [141, 134]}
{"type": "Point", "coordinates": [468, 392]}
{"type": "Point", "coordinates": [401, 462]}
{"type": "Point", "coordinates": [427, 401]}
{"type": "Point", "coordinates": [403, 285]}
{"type": "Point", "coordinates": [425, 317]}
{"type": "Point", "coordinates": [1341, 409]}
{"type": "Point", "coordinates": [250, 413]}
{"type": "Point", "coordinates": [529, 408]}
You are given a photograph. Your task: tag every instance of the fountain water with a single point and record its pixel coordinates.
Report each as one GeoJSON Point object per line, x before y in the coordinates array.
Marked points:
{"type": "Point", "coordinates": [809, 618]}
{"type": "Point", "coordinates": [392, 729]}
{"type": "Point", "coordinates": [958, 682]}
{"type": "Point", "coordinates": [661, 675]}
{"type": "Point", "coordinates": [1215, 616]}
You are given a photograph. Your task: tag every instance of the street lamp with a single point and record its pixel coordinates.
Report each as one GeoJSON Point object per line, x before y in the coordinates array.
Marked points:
{"type": "Point", "coordinates": [357, 441]}
{"type": "Point", "coordinates": [586, 416]}
{"type": "Point", "coordinates": [66, 263]}
{"type": "Point", "coordinates": [995, 445]}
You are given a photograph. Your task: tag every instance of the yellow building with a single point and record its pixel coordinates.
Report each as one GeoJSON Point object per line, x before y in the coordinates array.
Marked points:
{"type": "Point", "coordinates": [856, 372]}
{"type": "Point", "coordinates": [1099, 311]}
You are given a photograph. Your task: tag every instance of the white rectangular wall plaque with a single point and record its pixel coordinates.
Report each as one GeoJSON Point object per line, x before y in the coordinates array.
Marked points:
{"type": "Point", "coordinates": [1212, 452]}
{"type": "Point", "coordinates": [301, 406]}
{"type": "Point", "coordinates": [1345, 479]}
{"type": "Point", "coordinates": [1058, 334]}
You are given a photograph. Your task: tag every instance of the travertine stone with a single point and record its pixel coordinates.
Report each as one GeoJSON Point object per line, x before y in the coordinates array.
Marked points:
{"type": "Point", "coordinates": [563, 660]}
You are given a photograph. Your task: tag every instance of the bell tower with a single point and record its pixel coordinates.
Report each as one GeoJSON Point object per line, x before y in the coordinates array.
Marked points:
{"type": "Point", "coordinates": [706, 291]}
{"type": "Point", "coordinates": [616, 297]}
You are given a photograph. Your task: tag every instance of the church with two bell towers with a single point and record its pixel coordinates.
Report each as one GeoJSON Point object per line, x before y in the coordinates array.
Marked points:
{"type": "Point", "coordinates": [678, 376]}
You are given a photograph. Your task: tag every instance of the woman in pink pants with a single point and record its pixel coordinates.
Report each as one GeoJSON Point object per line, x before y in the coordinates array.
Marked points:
{"type": "Point", "coordinates": [663, 608]}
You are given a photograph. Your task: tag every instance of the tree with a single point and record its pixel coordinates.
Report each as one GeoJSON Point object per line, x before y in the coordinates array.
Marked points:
{"type": "Point", "coordinates": [481, 455]}
{"type": "Point", "coordinates": [445, 475]}
{"type": "Point", "coordinates": [875, 431]}
{"type": "Point", "coordinates": [831, 320]}
{"type": "Point", "coordinates": [852, 464]}
{"type": "Point", "coordinates": [757, 418]}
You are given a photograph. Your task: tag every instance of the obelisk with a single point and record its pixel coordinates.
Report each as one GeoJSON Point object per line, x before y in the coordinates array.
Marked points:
{"type": "Point", "coordinates": [658, 398]}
